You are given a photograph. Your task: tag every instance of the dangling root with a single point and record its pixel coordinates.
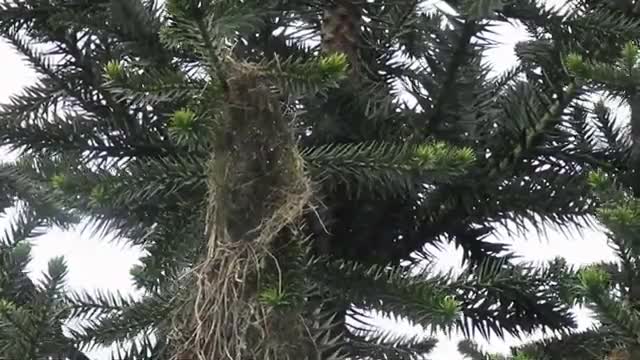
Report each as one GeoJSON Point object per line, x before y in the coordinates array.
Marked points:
{"type": "Point", "coordinates": [228, 320]}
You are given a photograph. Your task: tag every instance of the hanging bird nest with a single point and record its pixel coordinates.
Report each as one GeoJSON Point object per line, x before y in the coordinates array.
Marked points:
{"type": "Point", "coordinates": [258, 191]}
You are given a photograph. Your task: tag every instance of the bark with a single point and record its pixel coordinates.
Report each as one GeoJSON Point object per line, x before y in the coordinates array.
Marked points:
{"type": "Point", "coordinates": [633, 351]}
{"type": "Point", "coordinates": [634, 103]}
{"type": "Point", "coordinates": [341, 30]}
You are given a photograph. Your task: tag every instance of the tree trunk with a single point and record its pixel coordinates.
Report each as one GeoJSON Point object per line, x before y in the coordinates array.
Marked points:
{"type": "Point", "coordinates": [341, 33]}
{"type": "Point", "coordinates": [341, 30]}
{"type": "Point", "coordinates": [634, 104]}
{"type": "Point", "coordinates": [257, 194]}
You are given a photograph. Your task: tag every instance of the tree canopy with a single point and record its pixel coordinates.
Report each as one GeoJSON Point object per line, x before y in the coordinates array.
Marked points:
{"type": "Point", "coordinates": [285, 165]}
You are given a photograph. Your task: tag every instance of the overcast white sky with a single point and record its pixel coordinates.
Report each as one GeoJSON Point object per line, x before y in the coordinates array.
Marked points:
{"type": "Point", "coordinates": [99, 264]}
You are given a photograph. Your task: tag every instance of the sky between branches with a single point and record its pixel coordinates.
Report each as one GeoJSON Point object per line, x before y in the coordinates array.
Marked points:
{"type": "Point", "coordinates": [104, 264]}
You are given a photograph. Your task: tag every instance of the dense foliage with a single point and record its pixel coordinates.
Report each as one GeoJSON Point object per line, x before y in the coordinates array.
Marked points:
{"type": "Point", "coordinates": [146, 118]}
{"type": "Point", "coordinates": [610, 290]}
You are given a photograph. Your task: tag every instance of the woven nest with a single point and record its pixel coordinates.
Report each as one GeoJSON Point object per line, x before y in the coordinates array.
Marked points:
{"type": "Point", "coordinates": [258, 192]}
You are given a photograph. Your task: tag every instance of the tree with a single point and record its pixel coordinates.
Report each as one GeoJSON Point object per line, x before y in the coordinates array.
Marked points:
{"type": "Point", "coordinates": [31, 313]}
{"type": "Point", "coordinates": [609, 289]}
{"type": "Point", "coordinates": [221, 139]}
